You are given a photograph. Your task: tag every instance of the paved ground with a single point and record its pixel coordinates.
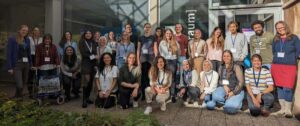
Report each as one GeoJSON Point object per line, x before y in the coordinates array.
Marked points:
{"type": "Point", "coordinates": [178, 115]}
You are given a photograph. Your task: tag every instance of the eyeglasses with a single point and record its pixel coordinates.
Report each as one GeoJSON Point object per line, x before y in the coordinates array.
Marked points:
{"type": "Point", "coordinates": [281, 28]}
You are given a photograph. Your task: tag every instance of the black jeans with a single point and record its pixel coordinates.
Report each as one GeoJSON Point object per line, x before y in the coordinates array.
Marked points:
{"type": "Point", "coordinates": [145, 78]}
{"type": "Point", "coordinates": [105, 102]}
{"type": "Point", "coordinates": [69, 82]}
{"type": "Point", "coordinates": [216, 65]}
{"type": "Point", "coordinates": [125, 95]}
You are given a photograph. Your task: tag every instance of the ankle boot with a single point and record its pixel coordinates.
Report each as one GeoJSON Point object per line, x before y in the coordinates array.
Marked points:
{"type": "Point", "coordinates": [288, 109]}
{"type": "Point", "coordinates": [282, 108]}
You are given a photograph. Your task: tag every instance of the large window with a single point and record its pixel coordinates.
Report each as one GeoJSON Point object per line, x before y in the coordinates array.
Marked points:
{"type": "Point", "coordinates": [191, 13]}
{"type": "Point", "coordinates": [241, 2]}
{"type": "Point", "coordinates": [13, 14]}
{"type": "Point", "coordinates": [104, 15]}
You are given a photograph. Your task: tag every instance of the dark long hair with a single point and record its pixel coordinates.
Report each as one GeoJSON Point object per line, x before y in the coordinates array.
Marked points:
{"type": "Point", "coordinates": [63, 39]}
{"type": "Point", "coordinates": [102, 64]}
{"type": "Point", "coordinates": [48, 36]}
{"type": "Point", "coordinates": [154, 69]}
{"type": "Point", "coordinates": [82, 38]}
{"type": "Point", "coordinates": [73, 59]}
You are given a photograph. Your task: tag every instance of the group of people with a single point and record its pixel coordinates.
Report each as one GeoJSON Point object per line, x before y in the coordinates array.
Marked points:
{"type": "Point", "coordinates": [211, 72]}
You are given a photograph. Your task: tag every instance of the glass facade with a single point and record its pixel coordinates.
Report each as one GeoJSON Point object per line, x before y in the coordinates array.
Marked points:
{"type": "Point", "coordinates": [13, 14]}
{"type": "Point", "coordinates": [191, 13]}
{"type": "Point", "coordinates": [104, 15]}
{"type": "Point", "coordinates": [241, 2]}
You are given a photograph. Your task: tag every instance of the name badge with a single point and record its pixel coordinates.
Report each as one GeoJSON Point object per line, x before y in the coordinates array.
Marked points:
{"type": "Point", "coordinates": [196, 54]}
{"type": "Point", "coordinates": [92, 57]}
{"type": "Point", "coordinates": [233, 50]}
{"type": "Point", "coordinates": [257, 51]}
{"type": "Point", "coordinates": [47, 59]}
{"type": "Point", "coordinates": [25, 59]}
{"type": "Point", "coordinates": [225, 82]}
{"type": "Point", "coordinates": [280, 54]}
{"type": "Point", "coordinates": [169, 54]}
{"type": "Point", "coordinates": [145, 51]}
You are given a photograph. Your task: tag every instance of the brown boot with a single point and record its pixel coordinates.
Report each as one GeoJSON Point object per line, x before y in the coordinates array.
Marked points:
{"type": "Point", "coordinates": [265, 112]}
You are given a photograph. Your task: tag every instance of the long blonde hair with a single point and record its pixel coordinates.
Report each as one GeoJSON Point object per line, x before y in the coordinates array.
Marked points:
{"type": "Point", "coordinates": [173, 44]}
{"type": "Point", "coordinates": [219, 41]}
{"type": "Point", "coordinates": [19, 38]}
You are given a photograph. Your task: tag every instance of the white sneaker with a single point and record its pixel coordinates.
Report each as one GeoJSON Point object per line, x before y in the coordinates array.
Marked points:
{"type": "Point", "coordinates": [163, 106]}
{"type": "Point", "coordinates": [148, 110]}
{"type": "Point", "coordinates": [135, 104]}
{"type": "Point", "coordinates": [196, 105]}
{"type": "Point", "coordinates": [186, 103]}
{"type": "Point", "coordinates": [203, 105]}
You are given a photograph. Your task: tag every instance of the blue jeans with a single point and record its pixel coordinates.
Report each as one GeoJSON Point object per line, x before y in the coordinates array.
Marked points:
{"type": "Point", "coordinates": [121, 62]}
{"type": "Point", "coordinates": [285, 93]}
{"type": "Point", "coordinates": [180, 60]}
{"type": "Point", "coordinates": [267, 102]}
{"type": "Point", "coordinates": [172, 64]}
{"type": "Point", "coordinates": [231, 105]}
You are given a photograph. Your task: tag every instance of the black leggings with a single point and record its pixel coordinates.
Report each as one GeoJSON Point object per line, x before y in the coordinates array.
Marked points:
{"type": "Point", "coordinates": [69, 82]}
{"type": "Point", "coordinates": [145, 78]}
{"type": "Point", "coordinates": [125, 95]}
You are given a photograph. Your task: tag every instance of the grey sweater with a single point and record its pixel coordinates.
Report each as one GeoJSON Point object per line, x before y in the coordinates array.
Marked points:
{"type": "Point", "coordinates": [240, 45]}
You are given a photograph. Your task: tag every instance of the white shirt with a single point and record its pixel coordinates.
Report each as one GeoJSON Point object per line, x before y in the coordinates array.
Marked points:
{"type": "Point", "coordinates": [34, 43]}
{"type": "Point", "coordinates": [106, 78]}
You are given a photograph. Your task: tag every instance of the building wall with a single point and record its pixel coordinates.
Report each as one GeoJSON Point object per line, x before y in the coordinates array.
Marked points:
{"type": "Point", "coordinates": [292, 16]}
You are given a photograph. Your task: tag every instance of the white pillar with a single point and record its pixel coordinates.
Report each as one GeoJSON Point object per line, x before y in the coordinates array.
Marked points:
{"type": "Point", "coordinates": [53, 18]}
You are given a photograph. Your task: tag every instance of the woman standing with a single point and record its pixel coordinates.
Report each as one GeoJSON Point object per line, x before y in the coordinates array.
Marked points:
{"type": "Point", "coordinates": [106, 79]}
{"type": "Point", "coordinates": [259, 84]}
{"type": "Point", "coordinates": [215, 46]}
{"type": "Point", "coordinates": [112, 43]}
{"type": "Point", "coordinates": [70, 67]}
{"type": "Point", "coordinates": [19, 59]}
{"type": "Point", "coordinates": [229, 91]}
{"type": "Point", "coordinates": [46, 57]}
{"type": "Point", "coordinates": [66, 40]}
{"type": "Point", "coordinates": [158, 37]}
{"type": "Point", "coordinates": [197, 50]}
{"type": "Point", "coordinates": [129, 82]}
{"type": "Point", "coordinates": [286, 50]}
{"type": "Point", "coordinates": [88, 50]}
{"type": "Point", "coordinates": [35, 40]}
{"type": "Point", "coordinates": [170, 50]}
{"type": "Point", "coordinates": [96, 37]}
{"type": "Point", "coordinates": [190, 89]}
{"type": "Point", "coordinates": [102, 47]}
{"type": "Point", "coordinates": [123, 49]}
{"type": "Point", "coordinates": [160, 83]}
{"type": "Point", "coordinates": [209, 82]}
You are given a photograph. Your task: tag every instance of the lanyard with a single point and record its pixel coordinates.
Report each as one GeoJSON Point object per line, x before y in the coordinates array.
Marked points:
{"type": "Point", "coordinates": [281, 45]}
{"type": "Point", "coordinates": [105, 72]}
{"type": "Point", "coordinates": [187, 77]}
{"type": "Point", "coordinates": [196, 46]}
{"type": "Point", "coordinates": [89, 47]}
{"type": "Point", "coordinates": [209, 82]}
{"type": "Point", "coordinates": [256, 82]}
{"type": "Point", "coordinates": [233, 40]}
{"type": "Point", "coordinates": [160, 83]}
{"type": "Point", "coordinates": [125, 49]}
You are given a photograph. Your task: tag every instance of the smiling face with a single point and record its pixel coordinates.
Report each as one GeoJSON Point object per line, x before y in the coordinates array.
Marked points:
{"type": "Point", "coordinates": [158, 32]}
{"type": "Point", "coordinates": [102, 41]}
{"type": "Point", "coordinates": [68, 36]}
{"type": "Point", "coordinates": [107, 59]}
{"type": "Point", "coordinates": [168, 35]}
{"type": "Point", "coordinates": [227, 58]}
{"type": "Point", "coordinates": [160, 64]}
{"type": "Point", "coordinates": [197, 34]}
{"type": "Point", "coordinates": [36, 32]}
{"type": "Point", "coordinates": [258, 29]}
{"type": "Point", "coordinates": [97, 36]}
{"type": "Point", "coordinates": [47, 41]}
{"type": "Point", "coordinates": [178, 28]}
{"type": "Point", "coordinates": [256, 62]}
{"type": "Point", "coordinates": [128, 28]}
{"type": "Point", "coordinates": [280, 28]}
{"type": "Point", "coordinates": [233, 28]}
{"type": "Point", "coordinates": [131, 59]}
{"type": "Point", "coordinates": [207, 66]}
{"type": "Point", "coordinates": [23, 31]}
{"type": "Point", "coordinates": [125, 36]}
{"type": "Point", "coordinates": [185, 65]}
{"type": "Point", "coordinates": [147, 28]}
{"type": "Point", "coordinates": [217, 33]}
{"type": "Point", "coordinates": [111, 35]}
{"type": "Point", "coordinates": [88, 35]}
{"type": "Point", "coordinates": [69, 51]}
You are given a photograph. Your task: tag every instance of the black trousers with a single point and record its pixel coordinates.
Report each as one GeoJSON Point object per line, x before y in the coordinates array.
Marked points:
{"type": "Point", "coordinates": [105, 102]}
{"type": "Point", "coordinates": [69, 82]}
{"type": "Point", "coordinates": [125, 95]}
{"type": "Point", "coordinates": [145, 82]}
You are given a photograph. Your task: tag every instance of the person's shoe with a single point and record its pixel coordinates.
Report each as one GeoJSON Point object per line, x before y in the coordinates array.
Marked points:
{"type": "Point", "coordinates": [163, 106]}
{"type": "Point", "coordinates": [196, 105]}
{"type": "Point", "coordinates": [135, 104]}
{"type": "Point", "coordinates": [89, 101]}
{"type": "Point", "coordinates": [288, 107]}
{"type": "Point", "coordinates": [265, 112]}
{"type": "Point", "coordinates": [84, 103]}
{"type": "Point", "coordinates": [148, 110]}
{"type": "Point", "coordinates": [186, 104]}
{"type": "Point", "coordinates": [282, 108]}
{"type": "Point", "coordinates": [76, 96]}
{"type": "Point", "coordinates": [173, 100]}
{"type": "Point", "coordinates": [203, 105]}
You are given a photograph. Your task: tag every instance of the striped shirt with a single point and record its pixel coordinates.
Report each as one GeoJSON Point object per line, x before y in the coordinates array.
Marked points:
{"type": "Point", "coordinates": [263, 82]}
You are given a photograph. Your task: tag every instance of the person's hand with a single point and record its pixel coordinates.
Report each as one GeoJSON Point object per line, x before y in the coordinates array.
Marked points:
{"type": "Point", "coordinates": [163, 91]}
{"type": "Point", "coordinates": [136, 85]}
{"type": "Point", "coordinates": [230, 94]}
{"type": "Point", "coordinates": [227, 90]}
{"type": "Point", "coordinates": [181, 93]}
{"type": "Point", "coordinates": [134, 93]}
{"type": "Point", "coordinates": [256, 103]}
{"type": "Point", "coordinates": [258, 98]}
{"type": "Point", "coordinates": [107, 93]}
{"type": "Point", "coordinates": [202, 96]}
{"type": "Point", "coordinates": [101, 94]}
{"type": "Point", "coordinates": [11, 71]}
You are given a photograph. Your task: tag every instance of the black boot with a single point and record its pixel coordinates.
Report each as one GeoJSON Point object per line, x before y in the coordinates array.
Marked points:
{"type": "Point", "coordinates": [19, 93]}
{"type": "Point", "coordinates": [84, 103]}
